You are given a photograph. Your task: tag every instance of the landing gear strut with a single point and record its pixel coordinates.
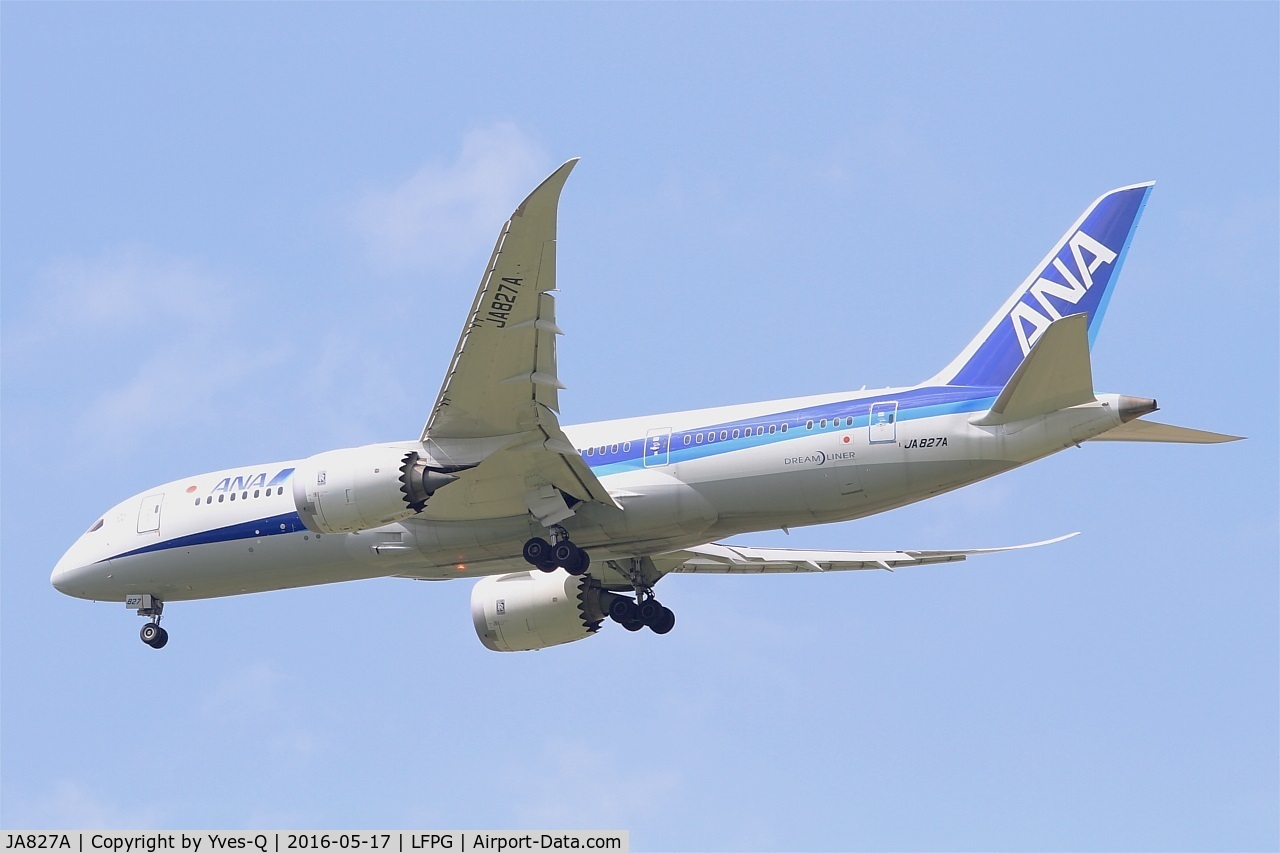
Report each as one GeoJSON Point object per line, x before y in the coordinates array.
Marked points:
{"type": "Point", "coordinates": [644, 611]}
{"type": "Point", "coordinates": [148, 605]}
{"type": "Point", "coordinates": [563, 554]}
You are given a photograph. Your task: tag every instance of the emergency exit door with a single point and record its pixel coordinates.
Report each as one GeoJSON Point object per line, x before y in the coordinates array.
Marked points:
{"type": "Point", "coordinates": [149, 513]}
{"type": "Point", "coordinates": [657, 447]}
{"type": "Point", "coordinates": [884, 422]}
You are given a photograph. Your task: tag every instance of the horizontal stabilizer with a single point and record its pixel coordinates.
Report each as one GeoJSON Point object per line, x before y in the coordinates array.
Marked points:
{"type": "Point", "coordinates": [1055, 375]}
{"type": "Point", "coordinates": [738, 559]}
{"type": "Point", "coordinates": [1157, 432]}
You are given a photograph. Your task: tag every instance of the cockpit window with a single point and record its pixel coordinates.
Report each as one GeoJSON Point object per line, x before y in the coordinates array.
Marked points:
{"type": "Point", "coordinates": [96, 525]}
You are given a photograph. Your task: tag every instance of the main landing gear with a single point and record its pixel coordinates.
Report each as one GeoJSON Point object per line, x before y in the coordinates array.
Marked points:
{"type": "Point", "coordinates": [645, 612]}
{"type": "Point", "coordinates": [148, 605]}
{"type": "Point", "coordinates": [562, 555]}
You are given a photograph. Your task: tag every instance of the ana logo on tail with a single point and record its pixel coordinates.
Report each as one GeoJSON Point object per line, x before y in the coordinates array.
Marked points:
{"type": "Point", "coordinates": [1028, 322]}
{"type": "Point", "coordinates": [1077, 276]}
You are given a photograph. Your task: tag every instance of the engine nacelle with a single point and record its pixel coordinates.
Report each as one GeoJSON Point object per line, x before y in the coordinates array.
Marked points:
{"type": "Point", "coordinates": [533, 610]}
{"type": "Point", "coordinates": [343, 491]}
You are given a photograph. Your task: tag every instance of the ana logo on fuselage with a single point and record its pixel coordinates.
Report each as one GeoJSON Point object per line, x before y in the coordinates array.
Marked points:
{"type": "Point", "coordinates": [1029, 322]}
{"type": "Point", "coordinates": [251, 481]}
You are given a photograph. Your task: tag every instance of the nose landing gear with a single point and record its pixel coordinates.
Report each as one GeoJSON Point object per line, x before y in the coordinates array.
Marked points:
{"type": "Point", "coordinates": [148, 605]}
{"type": "Point", "coordinates": [153, 635]}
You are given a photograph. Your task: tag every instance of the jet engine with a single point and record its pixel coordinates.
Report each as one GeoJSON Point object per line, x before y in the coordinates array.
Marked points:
{"type": "Point", "coordinates": [363, 487]}
{"type": "Point", "coordinates": [533, 610]}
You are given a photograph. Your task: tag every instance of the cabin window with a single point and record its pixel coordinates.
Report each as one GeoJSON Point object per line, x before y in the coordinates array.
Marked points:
{"type": "Point", "coordinates": [256, 492]}
{"type": "Point", "coordinates": [686, 439]}
{"type": "Point", "coordinates": [699, 438]}
{"type": "Point", "coordinates": [784, 426]}
{"type": "Point", "coordinates": [736, 433]}
{"type": "Point", "coordinates": [809, 425]}
{"type": "Point", "coordinates": [221, 498]}
{"type": "Point", "coordinates": [613, 448]}
{"type": "Point", "coordinates": [773, 428]}
{"type": "Point", "coordinates": [591, 451]}
{"type": "Point", "coordinates": [626, 448]}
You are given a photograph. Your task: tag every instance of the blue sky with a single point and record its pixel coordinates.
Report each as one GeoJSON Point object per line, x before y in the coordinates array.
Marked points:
{"type": "Point", "coordinates": [248, 232]}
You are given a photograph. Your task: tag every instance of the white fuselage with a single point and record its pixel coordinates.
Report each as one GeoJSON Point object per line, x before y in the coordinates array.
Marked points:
{"type": "Point", "coordinates": [681, 479]}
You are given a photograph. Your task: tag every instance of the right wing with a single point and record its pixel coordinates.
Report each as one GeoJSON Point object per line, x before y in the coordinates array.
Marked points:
{"type": "Point", "coordinates": [736, 559]}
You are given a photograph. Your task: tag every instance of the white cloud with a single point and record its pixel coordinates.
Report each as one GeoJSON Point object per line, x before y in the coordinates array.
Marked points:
{"type": "Point", "coordinates": [178, 384]}
{"type": "Point", "coordinates": [70, 806]}
{"type": "Point", "coordinates": [440, 215]}
{"type": "Point", "coordinates": [119, 292]}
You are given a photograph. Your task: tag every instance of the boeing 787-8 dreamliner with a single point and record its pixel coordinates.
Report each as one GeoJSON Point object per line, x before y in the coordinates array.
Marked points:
{"type": "Point", "coordinates": [567, 526]}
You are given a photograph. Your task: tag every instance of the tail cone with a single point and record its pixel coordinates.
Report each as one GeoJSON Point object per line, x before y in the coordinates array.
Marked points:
{"type": "Point", "coordinates": [1132, 408]}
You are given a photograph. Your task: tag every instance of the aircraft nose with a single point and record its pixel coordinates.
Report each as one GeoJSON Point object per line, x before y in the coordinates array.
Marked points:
{"type": "Point", "coordinates": [71, 575]}
{"type": "Point", "coordinates": [61, 575]}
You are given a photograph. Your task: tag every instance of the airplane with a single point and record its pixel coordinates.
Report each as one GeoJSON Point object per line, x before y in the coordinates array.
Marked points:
{"type": "Point", "coordinates": [569, 526]}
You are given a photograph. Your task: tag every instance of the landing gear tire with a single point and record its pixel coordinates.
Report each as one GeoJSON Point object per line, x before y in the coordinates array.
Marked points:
{"type": "Point", "coordinates": [153, 635]}
{"type": "Point", "coordinates": [565, 553]}
{"type": "Point", "coordinates": [650, 611]}
{"type": "Point", "coordinates": [537, 552]}
{"type": "Point", "coordinates": [633, 625]}
{"type": "Point", "coordinates": [665, 622]}
{"type": "Point", "coordinates": [580, 565]}
{"type": "Point", "coordinates": [623, 610]}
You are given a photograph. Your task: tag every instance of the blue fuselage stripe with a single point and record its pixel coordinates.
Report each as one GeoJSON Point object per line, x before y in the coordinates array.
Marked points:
{"type": "Point", "coordinates": [276, 525]}
{"type": "Point", "coordinates": [913, 404]}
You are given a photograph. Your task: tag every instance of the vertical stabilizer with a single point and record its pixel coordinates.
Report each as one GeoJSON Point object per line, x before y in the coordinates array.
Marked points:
{"type": "Point", "coordinates": [1076, 277]}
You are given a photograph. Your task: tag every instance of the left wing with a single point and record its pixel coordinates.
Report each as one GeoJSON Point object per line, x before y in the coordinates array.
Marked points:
{"type": "Point", "coordinates": [736, 559]}
{"type": "Point", "coordinates": [495, 422]}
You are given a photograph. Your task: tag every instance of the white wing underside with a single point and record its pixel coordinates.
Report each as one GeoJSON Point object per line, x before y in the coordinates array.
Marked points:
{"type": "Point", "coordinates": [735, 559]}
{"type": "Point", "coordinates": [499, 403]}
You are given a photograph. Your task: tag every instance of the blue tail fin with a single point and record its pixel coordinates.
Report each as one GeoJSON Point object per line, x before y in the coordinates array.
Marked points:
{"type": "Point", "coordinates": [1076, 277]}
